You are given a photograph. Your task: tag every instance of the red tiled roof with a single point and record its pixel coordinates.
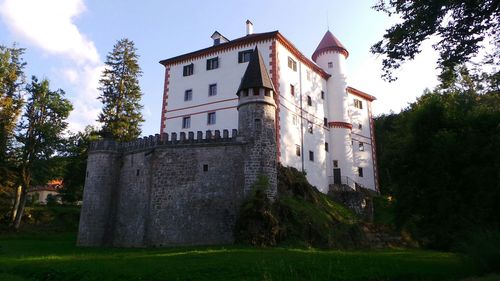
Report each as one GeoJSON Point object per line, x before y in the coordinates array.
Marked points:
{"type": "Point", "coordinates": [52, 185]}
{"type": "Point", "coordinates": [329, 43]}
{"type": "Point", "coordinates": [360, 94]}
{"type": "Point", "coordinates": [248, 39]}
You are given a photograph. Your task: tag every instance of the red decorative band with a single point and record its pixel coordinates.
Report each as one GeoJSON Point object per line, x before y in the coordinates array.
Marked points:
{"type": "Point", "coordinates": [344, 125]}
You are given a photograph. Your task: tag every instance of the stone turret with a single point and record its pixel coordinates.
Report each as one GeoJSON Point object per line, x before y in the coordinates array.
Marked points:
{"type": "Point", "coordinates": [257, 124]}
{"type": "Point", "coordinates": [103, 166]}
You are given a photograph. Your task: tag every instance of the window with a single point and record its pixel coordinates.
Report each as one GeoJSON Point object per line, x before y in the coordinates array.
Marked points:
{"type": "Point", "coordinates": [297, 150]}
{"type": "Point", "coordinates": [188, 95]}
{"type": "Point", "coordinates": [186, 122]}
{"type": "Point", "coordinates": [310, 127]}
{"type": "Point", "coordinates": [330, 64]}
{"type": "Point", "coordinates": [292, 90]}
{"type": "Point", "coordinates": [292, 64]}
{"type": "Point", "coordinates": [326, 146]}
{"type": "Point", "coordinates": [358, 104]}
{"type": "Point", "coordinates": [216, 41]}
{"type": "Point", "coordinates": [213, 63]}
{"type": "Point", "coordinates": [309, 101]}
{"type": "Point", "coordinates": [361, 146]}
{"type": "Point", "coordinates": [360, 126]}
{"type": "Point", "coordinates": [325, 122]}
{"type": "Point", "coordinates": [138, 172]}
{"type": "Point", "coordinates": [205, 167]}
{"type": "Point", "coordinates": [322, 95]}
{"type": "Point", "coordinates": [244, 56]}
{"type": "Point", "coordinates": [212, 90]}
{"type": "Point", "coordinates": [360, 171]}
{"type": "Point", "coordinates": [335, 163]}
{"type": "Point", "coordinates": [311, 155]}
{"type": "Point", "coordinates": [188, 70]}
{"type": "Point", "coordinates": [211, 118]}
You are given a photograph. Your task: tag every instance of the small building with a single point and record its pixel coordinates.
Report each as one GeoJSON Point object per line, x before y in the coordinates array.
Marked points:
{"type": "Point", "coordinates": [40, 194]}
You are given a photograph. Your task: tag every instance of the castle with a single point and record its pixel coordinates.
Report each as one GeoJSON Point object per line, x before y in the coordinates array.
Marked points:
{"type": "Point", "coordinates": [324, 127]}
{"type": "Point", "coordinates": [258, 102]}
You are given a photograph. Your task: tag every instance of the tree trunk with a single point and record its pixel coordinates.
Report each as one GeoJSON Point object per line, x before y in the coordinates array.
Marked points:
{"type": "Point", "coordinates": [17, 196]}
{"type": "Point", "coordinates": [20, 208]}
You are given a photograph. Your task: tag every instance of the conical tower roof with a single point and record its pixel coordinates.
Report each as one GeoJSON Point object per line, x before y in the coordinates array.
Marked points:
{"type": "Point", "coordinates": [256, 75]}
{"type": "Point", "coordinates": [329, 43]}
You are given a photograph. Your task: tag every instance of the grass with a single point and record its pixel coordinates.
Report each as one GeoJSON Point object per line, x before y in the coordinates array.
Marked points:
{"type": "Point", "coordinates": [56, 257]}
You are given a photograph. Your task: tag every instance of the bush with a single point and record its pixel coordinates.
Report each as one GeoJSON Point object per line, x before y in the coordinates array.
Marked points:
{"type": "Point", "coordinates": [483, 246]}
{"type": "Point", "coordinates": [301, 215]}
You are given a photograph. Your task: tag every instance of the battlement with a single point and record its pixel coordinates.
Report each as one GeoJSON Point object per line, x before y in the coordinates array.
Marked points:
{"type": "Point", "coordinates": [152, 141]}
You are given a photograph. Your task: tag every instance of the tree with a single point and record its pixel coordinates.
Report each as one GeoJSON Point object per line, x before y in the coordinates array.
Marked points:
{"type": "Point", "coordinates": [460, 25]}
{"type": "Point", "coordinates": [39, 137]}
{"type": "Point", "coordinates": [439, 158]}
{"type": "Point", "coordinates": [75, 159]}
{"type": "Point", "coordinates": [11, 80]}
{"type": "Point", "coordinates": [121, 95]}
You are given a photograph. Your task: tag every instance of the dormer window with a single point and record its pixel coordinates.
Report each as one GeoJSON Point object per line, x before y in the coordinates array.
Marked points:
{"type": "Point", "coordinates": [218, 38]}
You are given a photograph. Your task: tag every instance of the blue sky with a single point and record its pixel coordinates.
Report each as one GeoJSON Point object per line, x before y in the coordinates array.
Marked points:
{"type": "Point", "coordinates": [67, 42]}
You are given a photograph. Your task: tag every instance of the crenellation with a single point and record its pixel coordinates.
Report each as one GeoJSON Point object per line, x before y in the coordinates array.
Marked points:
{"type": "Point", "coordinates": [191, 136]}
{"type": "Point", "coordinates": [217, 135]}
{"type": "Point", "coordinates": [199, 136]}
{"type": "Point", "coordinates": [225, 134]}
{"type": "Point", "coordinates": [182, 136]}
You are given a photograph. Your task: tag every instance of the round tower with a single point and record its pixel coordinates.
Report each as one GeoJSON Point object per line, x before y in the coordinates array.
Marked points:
{"type": "Point", "coordinates": [100, 180]}
{"type": "Point", "coordinates": [257, 124]}
{"type": "Point", "coordinates": [331, 55]}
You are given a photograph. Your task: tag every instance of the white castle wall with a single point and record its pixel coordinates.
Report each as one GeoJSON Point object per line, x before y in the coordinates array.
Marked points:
{"type": "Point", "coordinates": [290, 109]}
{"type": "Point", "coordinates": [227, 77]}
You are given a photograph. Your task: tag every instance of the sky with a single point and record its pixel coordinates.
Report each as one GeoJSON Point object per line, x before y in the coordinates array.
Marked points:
{"type": "Point", "coordinates": [67, 42]}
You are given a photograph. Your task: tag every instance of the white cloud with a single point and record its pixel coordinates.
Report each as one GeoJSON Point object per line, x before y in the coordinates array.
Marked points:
{"type": "Point", "coordinates": [413, 78]}
{"type": "Point", "coordinates": [49, 25]}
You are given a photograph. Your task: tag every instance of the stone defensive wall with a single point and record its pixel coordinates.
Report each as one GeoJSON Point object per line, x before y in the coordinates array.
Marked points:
{"type": "Point", "coordinates": [161, 190]}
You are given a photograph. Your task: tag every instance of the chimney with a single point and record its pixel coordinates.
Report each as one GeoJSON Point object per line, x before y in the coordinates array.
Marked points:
{"type": "Point", "coordinates": [249, 27]}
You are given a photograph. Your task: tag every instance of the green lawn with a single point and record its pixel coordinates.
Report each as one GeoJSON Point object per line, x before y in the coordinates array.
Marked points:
{"type": "Point", "coordinates": [57, 258]}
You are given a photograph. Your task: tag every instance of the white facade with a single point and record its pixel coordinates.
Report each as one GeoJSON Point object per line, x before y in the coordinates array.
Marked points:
{"type": "Point", "coordinates": [318, 124]}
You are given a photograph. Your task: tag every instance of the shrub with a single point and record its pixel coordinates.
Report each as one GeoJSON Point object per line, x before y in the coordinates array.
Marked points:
{"type": "Point", "coordinates": [483, 246]}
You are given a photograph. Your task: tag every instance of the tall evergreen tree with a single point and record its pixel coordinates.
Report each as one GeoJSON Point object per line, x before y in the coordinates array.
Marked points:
{"type": "Point", "coordinates": [39, 137]}
{"type": "Point", "coordinates": [121, 115]}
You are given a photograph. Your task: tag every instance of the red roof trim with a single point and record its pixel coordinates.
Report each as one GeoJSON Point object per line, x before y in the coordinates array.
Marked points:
{"type": "Point", "coordinates": [360, 94]}
{"type": "Point", "coordinates": [249, 39]}
{"type": "Point", "coordinates": [290, 47]}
